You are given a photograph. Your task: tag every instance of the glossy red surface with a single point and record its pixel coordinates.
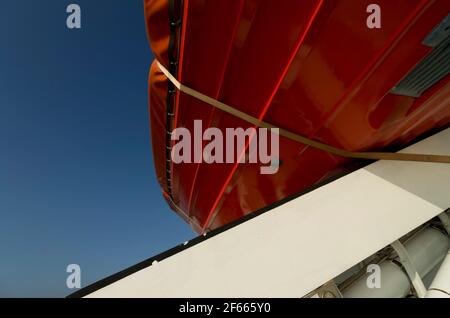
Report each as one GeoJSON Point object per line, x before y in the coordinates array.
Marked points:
{"type": "Point", "coordinates": [311, 66]}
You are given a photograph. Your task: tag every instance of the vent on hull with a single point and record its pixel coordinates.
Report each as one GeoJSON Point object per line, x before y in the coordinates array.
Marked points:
{"type": "Point", "coordinates": [431, 69]}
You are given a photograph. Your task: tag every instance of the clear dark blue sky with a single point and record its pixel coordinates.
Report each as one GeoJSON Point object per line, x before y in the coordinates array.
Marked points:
{"type": "Point", "coordinates": [76, 174]}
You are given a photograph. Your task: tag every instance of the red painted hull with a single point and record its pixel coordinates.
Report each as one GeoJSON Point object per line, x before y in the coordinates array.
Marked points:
{"type": "Point", "coordinates": [312, 67]}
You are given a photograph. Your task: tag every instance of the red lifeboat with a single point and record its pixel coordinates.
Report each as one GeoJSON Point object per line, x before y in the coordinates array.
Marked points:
{"type": "Point", "coordinates": [312, 67]}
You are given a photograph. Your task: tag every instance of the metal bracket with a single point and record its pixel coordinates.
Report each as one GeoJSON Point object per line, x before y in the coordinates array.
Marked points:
{"type": "Point", "coordinates": [410, 269]}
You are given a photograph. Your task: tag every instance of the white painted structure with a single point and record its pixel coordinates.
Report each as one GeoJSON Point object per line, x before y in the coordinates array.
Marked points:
{"type": "Point", "coordinates": [440, 288]}
{"type": "Point", "coordinates": [301, 245]}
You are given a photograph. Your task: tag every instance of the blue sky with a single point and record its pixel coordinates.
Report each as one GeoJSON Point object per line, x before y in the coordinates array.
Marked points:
{"type": "Point", "coordinates": [77, 183]}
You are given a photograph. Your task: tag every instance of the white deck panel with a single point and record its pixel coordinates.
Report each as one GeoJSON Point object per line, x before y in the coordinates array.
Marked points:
{"type": "Point", "coordinates": [296, 247]}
